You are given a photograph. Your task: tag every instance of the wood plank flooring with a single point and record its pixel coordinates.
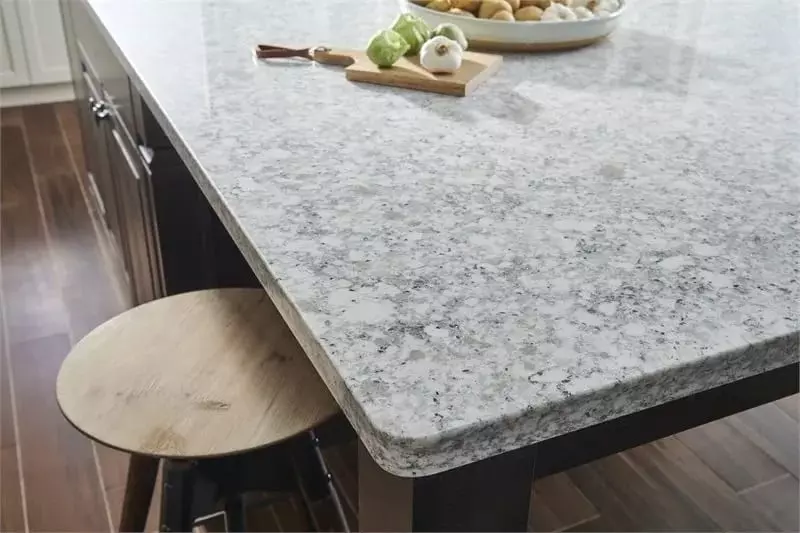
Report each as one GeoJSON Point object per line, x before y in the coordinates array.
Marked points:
{"type": "Point", "coordinates": [57, 282]}
{"type": "Point", "coordinates": [54, 290]}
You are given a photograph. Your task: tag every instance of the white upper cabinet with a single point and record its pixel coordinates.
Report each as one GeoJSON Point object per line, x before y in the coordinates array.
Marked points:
{"type": "Point", "coordinates": [32, 46]}
{"type": "Point", "coordinates": [43, 35]}
{"type": "Point", "coordinates": [13, 65]}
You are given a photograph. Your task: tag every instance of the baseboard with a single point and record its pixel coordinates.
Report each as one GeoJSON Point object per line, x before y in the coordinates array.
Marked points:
{"type": "Point", "coordinates": [36, 94]}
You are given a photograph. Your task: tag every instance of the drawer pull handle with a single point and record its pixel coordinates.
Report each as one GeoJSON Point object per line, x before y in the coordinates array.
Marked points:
{"type": "Point", "coordinates": [132, 167]}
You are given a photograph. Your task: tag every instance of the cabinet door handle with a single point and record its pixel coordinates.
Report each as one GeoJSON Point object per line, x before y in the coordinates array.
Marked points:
{"type": "Point", "coordinates": [146, 153]}
{"type": "Point", "coordinates": [100, 109]}
{"type": "Point", "coordinates": [121, 145]}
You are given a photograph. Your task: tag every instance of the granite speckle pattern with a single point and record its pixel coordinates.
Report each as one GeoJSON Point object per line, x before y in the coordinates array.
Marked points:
{"type": "Point", "coordinates": [589, 234]}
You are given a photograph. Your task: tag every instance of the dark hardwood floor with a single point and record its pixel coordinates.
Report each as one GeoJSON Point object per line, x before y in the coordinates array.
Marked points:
{"type": "Point", "coordinates": [57, 282]}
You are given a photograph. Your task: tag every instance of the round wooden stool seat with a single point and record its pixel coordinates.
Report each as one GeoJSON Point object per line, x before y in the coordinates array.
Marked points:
{"type": "Point", "coordinates": [201, 374]}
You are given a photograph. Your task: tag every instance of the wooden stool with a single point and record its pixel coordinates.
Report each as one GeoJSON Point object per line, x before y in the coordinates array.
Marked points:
{"type": "Point", "coordinates": [196, 379]}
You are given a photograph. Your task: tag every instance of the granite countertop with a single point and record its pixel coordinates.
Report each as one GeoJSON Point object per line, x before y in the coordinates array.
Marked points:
{"type": "Point", "coordinates": [587, 235]}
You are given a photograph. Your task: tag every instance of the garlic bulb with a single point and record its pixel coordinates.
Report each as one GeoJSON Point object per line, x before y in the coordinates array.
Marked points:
{"type": "Point", "coordinates": [557, 13]}
{"type": "Point", "coordinates": [582, 13]}
{"type": "Point", "coordinates": [440, 55]}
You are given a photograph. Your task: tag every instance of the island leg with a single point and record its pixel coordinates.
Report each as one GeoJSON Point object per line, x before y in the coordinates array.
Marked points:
{"type": "Point", "coordinates": [490, 495]}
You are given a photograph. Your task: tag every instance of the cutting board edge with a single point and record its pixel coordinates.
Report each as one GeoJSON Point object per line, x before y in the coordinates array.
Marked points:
{"type": "Point", "coordinates": [418, 84]}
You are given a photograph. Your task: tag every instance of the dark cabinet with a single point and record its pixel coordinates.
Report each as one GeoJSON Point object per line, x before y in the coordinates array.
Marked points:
{"type": "Point", "coordinates": [119, 178]}
{"type": "Point", "coordinates": [166, 236]}
{"type": "Point", "coordinates": [118, 174]}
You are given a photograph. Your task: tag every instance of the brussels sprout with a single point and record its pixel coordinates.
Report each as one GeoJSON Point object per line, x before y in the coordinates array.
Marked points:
{"type": "Point", "coordinates": [386, 47]}
{"type": "Point", "coordinates": [414, 30]}
{"type": "Point", "coordinates": [452, 32]}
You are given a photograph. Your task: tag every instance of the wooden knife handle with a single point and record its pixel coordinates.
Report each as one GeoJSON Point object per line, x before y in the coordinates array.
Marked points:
{"type": "Point", "coordinates": [270, 51]}
{"type": "Point", "coordinates": [329, 56]}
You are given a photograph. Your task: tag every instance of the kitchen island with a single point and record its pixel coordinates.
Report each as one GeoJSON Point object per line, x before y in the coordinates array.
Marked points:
{"type": "Point", "coordinates": [591, 236]}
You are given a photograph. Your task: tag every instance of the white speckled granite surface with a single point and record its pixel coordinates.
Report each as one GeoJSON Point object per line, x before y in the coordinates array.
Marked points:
{"type": "Point", "coordinates": [589, 234]}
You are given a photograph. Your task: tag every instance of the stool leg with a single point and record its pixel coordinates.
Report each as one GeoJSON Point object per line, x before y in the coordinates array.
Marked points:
{"type": "Point", "coordinates": [177, 496]}
{"type": "Point", "coordinates": [139, 486]}
{"type": "Point", "coordinates": [234, 514]}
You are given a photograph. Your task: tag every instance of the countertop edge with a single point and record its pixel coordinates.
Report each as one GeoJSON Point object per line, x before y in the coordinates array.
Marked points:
{"type": "Point", "coordinates": [578, 412]}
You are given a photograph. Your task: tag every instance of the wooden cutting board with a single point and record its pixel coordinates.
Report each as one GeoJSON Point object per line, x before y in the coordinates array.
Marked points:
{"type": "Point", "coordinates": [407, 72]}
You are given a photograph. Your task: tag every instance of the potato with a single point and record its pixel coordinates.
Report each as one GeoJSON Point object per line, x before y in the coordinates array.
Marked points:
{"type": "Point", "coordinates": [529, 14]}
{"type": "Point", "coordinates": [503, 15]}
{"type": "Point", "coordinates": [490, 7]}
{"type": "Point", "coordinates": [439, 5]}
{"type": "Point", "coordinates": [461, 12]}
{"type": "Point", "coordinates": [467, 5]}
{"type": "Point", "coordinates": [541, 4]}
